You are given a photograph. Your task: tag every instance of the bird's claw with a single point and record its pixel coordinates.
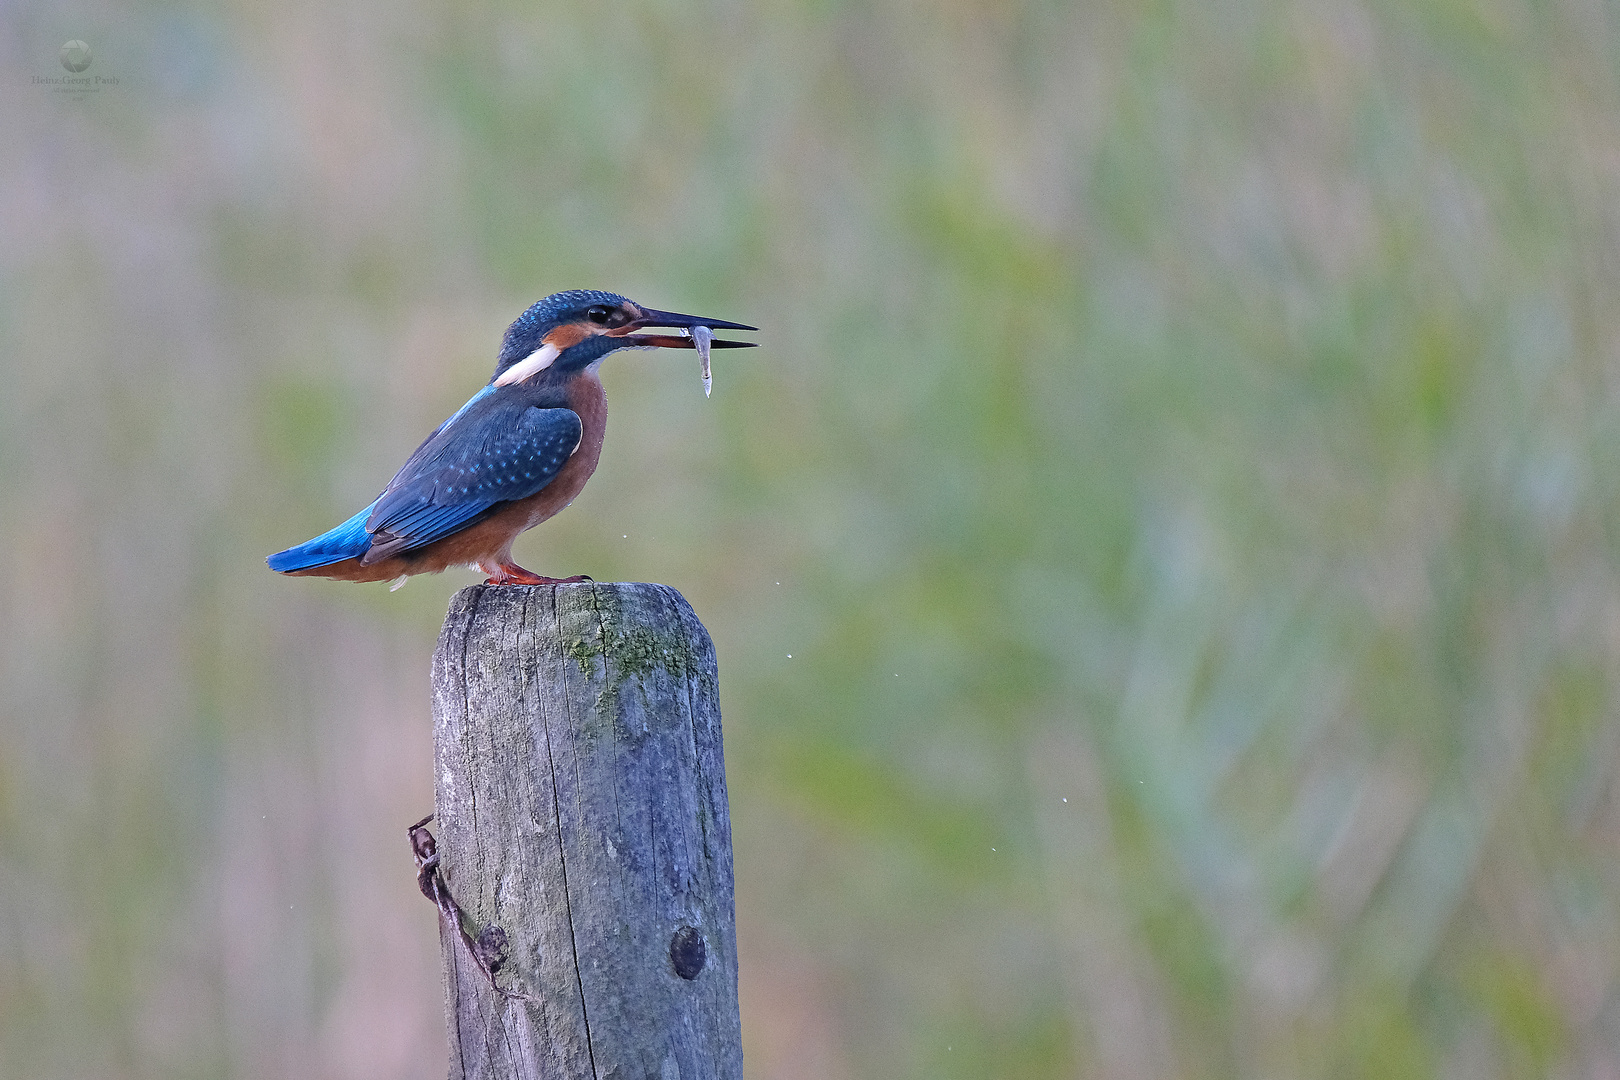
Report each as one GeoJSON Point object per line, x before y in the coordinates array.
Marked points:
{"type": "Point", "coordinates": [512, 574]}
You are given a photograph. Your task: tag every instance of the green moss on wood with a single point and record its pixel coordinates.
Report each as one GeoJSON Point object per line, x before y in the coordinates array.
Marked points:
{"type": "Point", "coordinates": [633, 652]}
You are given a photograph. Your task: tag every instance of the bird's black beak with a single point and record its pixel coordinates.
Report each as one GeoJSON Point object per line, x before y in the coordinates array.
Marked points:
{"type": "Point", "coordinates": [656, 319]}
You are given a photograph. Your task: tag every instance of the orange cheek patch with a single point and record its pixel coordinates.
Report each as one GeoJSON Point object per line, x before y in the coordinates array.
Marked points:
{"type": "Point", "coordinates": [566, 337]}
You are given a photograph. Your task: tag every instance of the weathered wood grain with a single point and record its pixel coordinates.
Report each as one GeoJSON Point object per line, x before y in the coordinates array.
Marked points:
{"type": "Point", "coordinates": [581, 802]}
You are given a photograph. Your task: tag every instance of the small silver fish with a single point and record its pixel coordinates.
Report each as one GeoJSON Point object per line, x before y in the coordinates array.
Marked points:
{"type": "Point", "coordinates": [701, 336]}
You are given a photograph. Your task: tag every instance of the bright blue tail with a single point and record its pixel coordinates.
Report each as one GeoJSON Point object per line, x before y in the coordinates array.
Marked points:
{"type": "Point", "coordinates": [344, 542]}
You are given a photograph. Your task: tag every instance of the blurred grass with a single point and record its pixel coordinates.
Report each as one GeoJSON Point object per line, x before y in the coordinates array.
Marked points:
{"type": "Point", "coordinates": [1161, 561]}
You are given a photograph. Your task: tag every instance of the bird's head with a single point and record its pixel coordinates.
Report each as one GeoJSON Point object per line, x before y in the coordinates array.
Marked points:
{"type": "Point", "coordinates": [569, 331]}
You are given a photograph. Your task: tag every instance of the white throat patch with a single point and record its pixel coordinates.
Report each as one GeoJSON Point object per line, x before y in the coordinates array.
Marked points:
{"type": "Point", "coordinates": [530, 365]}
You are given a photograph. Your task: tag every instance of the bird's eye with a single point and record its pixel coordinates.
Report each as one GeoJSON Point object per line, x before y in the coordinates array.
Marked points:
{"type": "Point", "coordinates": [599, 314]}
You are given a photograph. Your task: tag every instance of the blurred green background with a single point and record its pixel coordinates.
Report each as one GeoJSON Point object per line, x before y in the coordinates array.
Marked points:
{"type": "Point", "coordinates": [1162, 560]}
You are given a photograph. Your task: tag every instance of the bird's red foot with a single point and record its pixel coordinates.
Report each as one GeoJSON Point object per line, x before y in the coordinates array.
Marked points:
{"type": "Point", "coordinates": [513, 574]}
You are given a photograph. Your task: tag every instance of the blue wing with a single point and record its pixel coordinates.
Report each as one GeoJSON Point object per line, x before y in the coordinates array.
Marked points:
{"type": "Point", "coordinates": [489, 452]}
{"type": "Point", "coordinates": [501, 453]}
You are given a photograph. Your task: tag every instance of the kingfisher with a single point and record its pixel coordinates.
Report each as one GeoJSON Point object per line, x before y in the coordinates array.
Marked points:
{"type": "Point", "coordinates": [517, 453]}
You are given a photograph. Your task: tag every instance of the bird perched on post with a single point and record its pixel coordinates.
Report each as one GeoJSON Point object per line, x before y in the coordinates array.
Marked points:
{"type": "Point", "coordinates": [510, 458]}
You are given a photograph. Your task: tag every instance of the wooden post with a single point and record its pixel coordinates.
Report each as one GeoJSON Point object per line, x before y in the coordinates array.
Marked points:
{"type": "Point", "coordinates": [581, 801]}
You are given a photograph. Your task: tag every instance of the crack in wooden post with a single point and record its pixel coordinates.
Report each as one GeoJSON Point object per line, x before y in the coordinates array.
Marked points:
{"type": "Point", "coordinates": [593, 709]}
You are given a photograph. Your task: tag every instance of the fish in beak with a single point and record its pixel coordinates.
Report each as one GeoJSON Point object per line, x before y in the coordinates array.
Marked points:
{"type": "Point", "coordinates": [695, 333]}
